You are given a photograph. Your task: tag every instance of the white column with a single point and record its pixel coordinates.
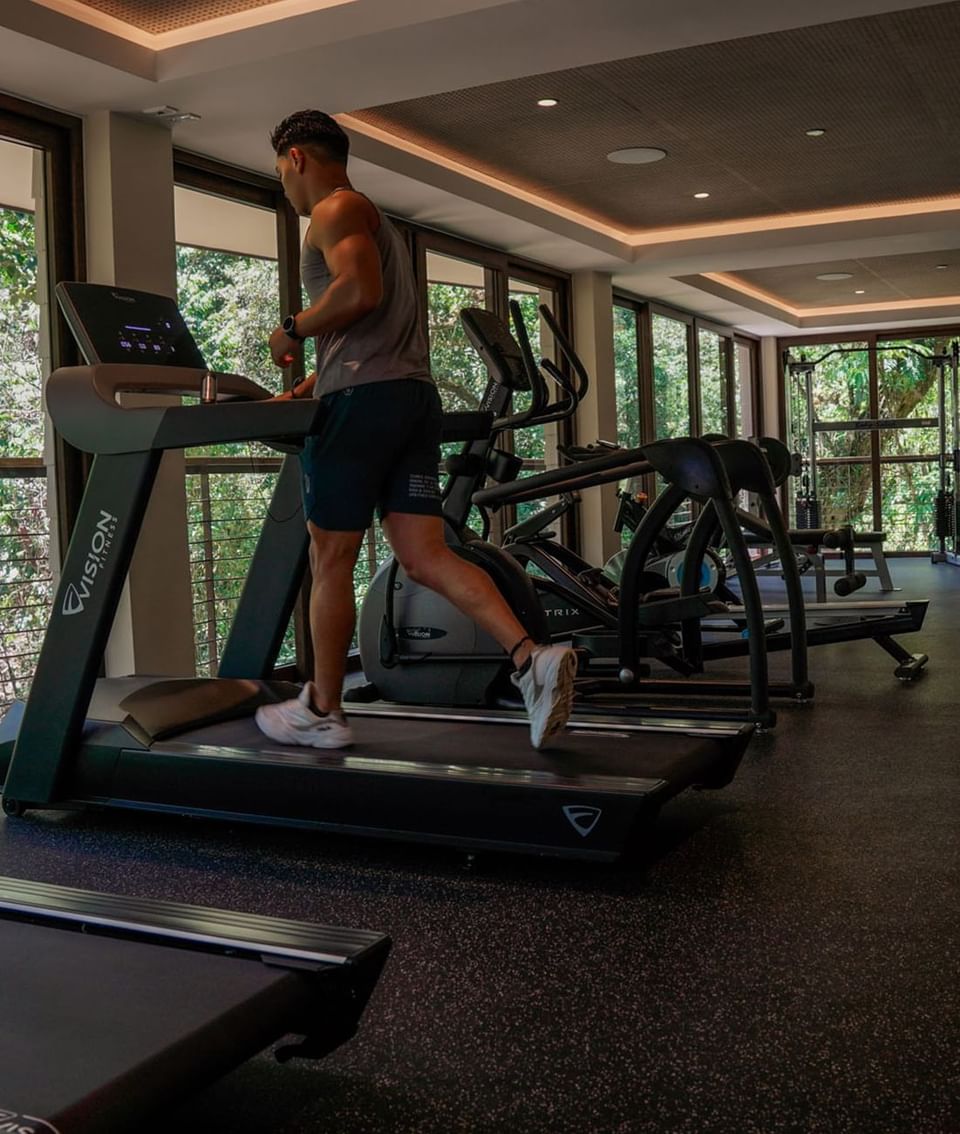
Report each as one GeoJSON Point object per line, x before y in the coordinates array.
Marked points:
{"type": "Point", "coordinates": [770, 384]}
{"type": "Point", "coordinates": [597, 415]}
{"type": "Point", "coordinates": [128, 168]}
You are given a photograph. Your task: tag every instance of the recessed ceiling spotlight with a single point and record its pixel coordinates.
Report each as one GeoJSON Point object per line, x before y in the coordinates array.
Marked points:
{"type": "Point", "coordinates": [816, 132]}
{"type": "Point", "coordinates": [860, 291]}
{"type": "Point", "coordinates": [547, 102]}
{"type": "Point", "coordinates": [829, 277]}
{"type": "Point", "coordinates": [942, 267]}
{"type": "Point", "coordinates": [637, 155]}
{"type": "Point", "coordinates": [701, 196]}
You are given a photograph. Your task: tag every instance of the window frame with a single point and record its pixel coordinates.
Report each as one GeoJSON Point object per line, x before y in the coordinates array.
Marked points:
{"type": "Point", "coordinates": [60, 138]}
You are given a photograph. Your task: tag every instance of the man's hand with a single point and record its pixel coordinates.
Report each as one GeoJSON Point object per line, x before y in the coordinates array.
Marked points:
{"type": "Point", "coordinates": [283, 349]}
{"type": "Point", "coordinates": [303, 389]}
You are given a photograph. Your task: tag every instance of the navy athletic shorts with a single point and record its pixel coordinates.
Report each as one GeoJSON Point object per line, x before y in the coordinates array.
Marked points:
{"type": "Point", "coordinates": [379, 449]}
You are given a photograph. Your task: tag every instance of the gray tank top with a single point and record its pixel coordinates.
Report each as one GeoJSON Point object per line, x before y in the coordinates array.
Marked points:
{"type": "Point", "coordinates": [387, 343]}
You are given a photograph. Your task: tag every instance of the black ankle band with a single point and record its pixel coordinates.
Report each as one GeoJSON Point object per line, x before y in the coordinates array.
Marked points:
{"type": "Point", "coordinates": [525, 638]}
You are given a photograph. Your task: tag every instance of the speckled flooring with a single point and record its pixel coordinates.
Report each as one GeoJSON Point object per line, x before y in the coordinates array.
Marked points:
{"type": "Point", "coordinates": [783, 957]}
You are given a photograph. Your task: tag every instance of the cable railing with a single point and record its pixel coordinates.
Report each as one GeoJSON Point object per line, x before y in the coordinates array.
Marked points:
{"type": "Point", "coordinates": [227, 500]}
{"type": "Point", "coordinates": [26, 584]}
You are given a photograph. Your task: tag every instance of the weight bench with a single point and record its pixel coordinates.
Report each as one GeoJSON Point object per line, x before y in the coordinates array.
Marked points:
{"type": "Point", "coordinates": [809, 542]}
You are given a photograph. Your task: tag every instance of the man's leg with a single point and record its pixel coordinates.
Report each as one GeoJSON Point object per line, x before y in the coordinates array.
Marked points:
{"type": "Point", "coordinates": [314, 718]}
{"type": "Point", "coordinates": [544, 673]}
{"type": "Point", "coordinates": [333, 557]}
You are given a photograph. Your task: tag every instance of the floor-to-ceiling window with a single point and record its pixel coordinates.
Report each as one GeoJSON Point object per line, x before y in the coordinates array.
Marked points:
{"type": "Point", "coordinates": [39, 478]}
{"type": "Point", "coordinates": [229, 290]}
{"type": "Point", "coordinates": [864, 416]}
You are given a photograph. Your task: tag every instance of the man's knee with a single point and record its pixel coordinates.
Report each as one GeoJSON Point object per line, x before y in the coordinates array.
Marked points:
{"type": "Point", "coordinates": [429, 564]}
{"type": "Point", "coordinates": [333, 551]}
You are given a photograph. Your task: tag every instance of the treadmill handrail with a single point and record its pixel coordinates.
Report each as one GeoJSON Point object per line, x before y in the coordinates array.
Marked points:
{"type": "Point", "coordinates": [83, 405]}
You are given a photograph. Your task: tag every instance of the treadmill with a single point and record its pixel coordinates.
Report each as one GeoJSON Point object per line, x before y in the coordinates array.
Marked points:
{"type": "Point", "coordinates": [191, 746]}
{"type": "Point", "coordinates": [117, 1008]}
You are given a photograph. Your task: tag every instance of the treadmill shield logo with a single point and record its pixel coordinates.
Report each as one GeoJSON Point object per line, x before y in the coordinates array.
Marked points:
{"type": "Point", "coordinates": [72, 602]}
{"type": "Point", "coordinates": [581, 818]}
{"type": "Point", "coordinates": [11, 1122]}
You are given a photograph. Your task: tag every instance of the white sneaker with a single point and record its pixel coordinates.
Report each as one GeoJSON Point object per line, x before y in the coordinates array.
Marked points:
{"type": "Point", "coordinates": [547, 689]}
{"type": "Point", "coordinates": [294, 722]}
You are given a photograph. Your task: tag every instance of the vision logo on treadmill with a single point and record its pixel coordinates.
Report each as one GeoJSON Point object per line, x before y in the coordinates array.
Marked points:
{"type": "Point", "coordinates": [582, 818]}
{"type": "Point", "coordinates": [76, 593]}
{"type": "Point", "coordinates": [11, 1122]}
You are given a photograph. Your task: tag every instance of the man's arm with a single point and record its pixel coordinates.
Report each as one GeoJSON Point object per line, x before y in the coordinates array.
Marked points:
{"type": "Point", "coordinates": [342, 229]}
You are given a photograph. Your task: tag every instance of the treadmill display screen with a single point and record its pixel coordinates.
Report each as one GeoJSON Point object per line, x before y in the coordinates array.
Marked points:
{"type": "Point", "coordinates": [114, 324]}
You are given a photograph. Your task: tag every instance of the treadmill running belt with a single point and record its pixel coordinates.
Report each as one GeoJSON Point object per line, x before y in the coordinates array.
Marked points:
{"type": "Point", "coordinates": [91, 1026]}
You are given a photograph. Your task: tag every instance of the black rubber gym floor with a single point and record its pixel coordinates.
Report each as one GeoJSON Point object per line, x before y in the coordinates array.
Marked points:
{"type": "Point", "coordinates": [782, 958]}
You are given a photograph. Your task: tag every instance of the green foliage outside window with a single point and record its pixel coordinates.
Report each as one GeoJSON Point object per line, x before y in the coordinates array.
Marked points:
{"type": "Point", "coordinates": [626, 377]}
{"type": "Point", "coordinates": [671, 390]}
{"type": "Point", "coordinates": [230, 302]}
{"type": "Point", "coordinates": [26, 589]}
{"type": "Point", "coordinates": [713, 382]}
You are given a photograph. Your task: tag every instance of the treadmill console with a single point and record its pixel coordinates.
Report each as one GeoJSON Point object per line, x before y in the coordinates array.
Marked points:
{"type": "Point", "coordinates": [118, 324]}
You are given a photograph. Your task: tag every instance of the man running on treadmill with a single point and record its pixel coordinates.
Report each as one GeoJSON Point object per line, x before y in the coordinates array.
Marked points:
{"type": "Point", "coordinates": [379, 448]}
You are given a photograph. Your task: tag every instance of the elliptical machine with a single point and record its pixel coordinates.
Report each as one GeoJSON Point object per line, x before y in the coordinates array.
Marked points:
{"type": "Point", "coordinates": [417, 649]}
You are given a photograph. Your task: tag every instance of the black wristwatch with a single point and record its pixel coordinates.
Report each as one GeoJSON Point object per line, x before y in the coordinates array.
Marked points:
{"type": "Point", "coordinates": [289, 327]}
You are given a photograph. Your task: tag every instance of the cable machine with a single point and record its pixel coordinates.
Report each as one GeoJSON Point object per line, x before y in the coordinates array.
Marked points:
{"type": "Point", "coordinates": [947, 422]}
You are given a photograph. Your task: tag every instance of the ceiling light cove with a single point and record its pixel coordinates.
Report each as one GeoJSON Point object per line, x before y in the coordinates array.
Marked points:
{"type": "Point", "coordinates": [830, 277]}
{"type": "Point", "coordinates": [637, 155]}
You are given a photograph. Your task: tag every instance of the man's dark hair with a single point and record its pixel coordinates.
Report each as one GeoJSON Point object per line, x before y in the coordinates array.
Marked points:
{"type": "Point", "coordinates": [311, 128]}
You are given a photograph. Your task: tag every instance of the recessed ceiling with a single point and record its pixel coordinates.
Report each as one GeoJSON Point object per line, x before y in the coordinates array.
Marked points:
{"type": "Point", "coordinates": [881, 278]}
{"type": "Point", "coordinates": [733, 117]}
{"type": "Point", "coordinates": [728, 90]}
{"type": "Point", "coordinates": [159, 16]}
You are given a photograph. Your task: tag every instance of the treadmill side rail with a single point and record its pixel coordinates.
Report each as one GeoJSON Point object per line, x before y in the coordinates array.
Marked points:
{"type": "Point", "coordinates": [144, 919]}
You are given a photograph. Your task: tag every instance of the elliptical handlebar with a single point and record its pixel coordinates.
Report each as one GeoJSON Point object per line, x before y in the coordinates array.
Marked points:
{"type": "Point", "coordinates": [559, 410]}
{"type": "Point", "coordinates": [566, 349]}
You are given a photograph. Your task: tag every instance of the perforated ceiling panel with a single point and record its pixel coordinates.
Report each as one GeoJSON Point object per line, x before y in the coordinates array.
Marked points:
{"type": "Point", "coordinates": [157, 16]}
{"type": "Point", "coordinates": [880, 278]}
{"type": "Point", "coordinates": [732, 117]}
